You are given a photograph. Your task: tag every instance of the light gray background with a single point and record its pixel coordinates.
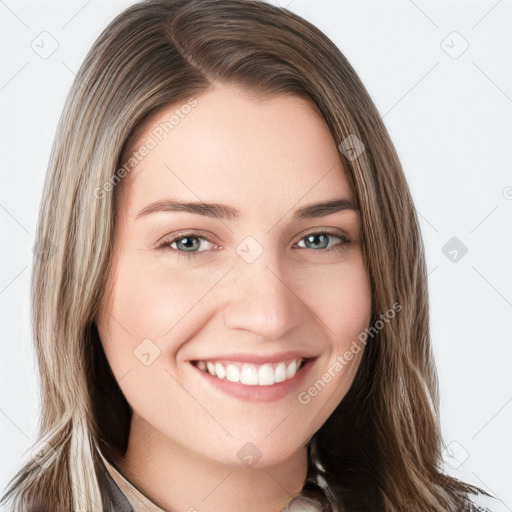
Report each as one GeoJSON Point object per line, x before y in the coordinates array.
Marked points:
{"type": "Point", "coordinates": [449, 114]}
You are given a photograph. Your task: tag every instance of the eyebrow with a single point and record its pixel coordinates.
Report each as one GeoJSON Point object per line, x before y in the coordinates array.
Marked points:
{"type": "Point", "coordinates": [223, 211]}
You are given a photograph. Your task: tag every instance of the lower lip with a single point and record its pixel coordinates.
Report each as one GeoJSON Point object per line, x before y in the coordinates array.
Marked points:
{"type": "Point", "coordinates": [256, 393]}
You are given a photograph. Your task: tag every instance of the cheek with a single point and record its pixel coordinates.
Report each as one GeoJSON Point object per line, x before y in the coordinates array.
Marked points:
{"type": "Point", "coordinates": [354, 315]}
{"type": "Point", "coordinates": [341, 298]}
{"type": "Point", "coordinates": [153, 312]}
{"type": "Point", "coordinates": [343, 305]}
{"type": "Point", "coordinates": [154, 302]}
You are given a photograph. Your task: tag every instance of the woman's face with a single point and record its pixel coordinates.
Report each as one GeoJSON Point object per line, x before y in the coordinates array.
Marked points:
{"type": "Point", "coordinates": [248, 288]}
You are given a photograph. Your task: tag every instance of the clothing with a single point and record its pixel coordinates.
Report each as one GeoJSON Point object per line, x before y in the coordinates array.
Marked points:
{"type": "Point", "coordinates": [296, 504]}
{"type": "Point", "coordinates": [125, 497]}
{"type": "Point", "coordinates": [128, 498]}
{"type": "Point", "coordinates": [121, 501]}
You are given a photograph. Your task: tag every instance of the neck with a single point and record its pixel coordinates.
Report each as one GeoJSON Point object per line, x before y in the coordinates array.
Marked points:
{"type": "Point", "coordinates": [178, 479]}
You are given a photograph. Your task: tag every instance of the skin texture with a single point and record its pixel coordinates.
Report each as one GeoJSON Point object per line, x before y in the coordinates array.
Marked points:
{"type": "Point", "coordinates": [267, 157]}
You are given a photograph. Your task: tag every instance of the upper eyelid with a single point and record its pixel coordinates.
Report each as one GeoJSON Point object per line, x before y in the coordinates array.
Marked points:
{"type": "Point", "coordinates": [345, 239]}
{"type": "Point", "coordinates": [199, 235]}
{"type": "Point", "coordinates": [173, 238]}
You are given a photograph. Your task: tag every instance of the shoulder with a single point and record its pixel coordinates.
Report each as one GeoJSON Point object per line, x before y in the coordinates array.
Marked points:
{"type": "Point", "coordinates": [486, 503]}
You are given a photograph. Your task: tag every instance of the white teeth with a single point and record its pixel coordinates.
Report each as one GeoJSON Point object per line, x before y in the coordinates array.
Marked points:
{"type": "Point", "coordinates": [220, 371]}
{"type": "Point", "coordinates": [265, 375]}
{"type": "Point", "coordinates": [211, 368]}
{"type": "Point", "coordinates": [291, 369]}
{"type": "Point", "coordinates": [249, 375]}
{"type": "Point", "coordinates": [280, 373]}
{"type": "Point", "coordinates": [252, 375]}
{"type": "Point", "coordinates": [233, 373]}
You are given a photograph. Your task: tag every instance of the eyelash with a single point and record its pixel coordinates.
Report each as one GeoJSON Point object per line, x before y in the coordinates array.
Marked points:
{"type": "Point", "coordinates": [166, 244]}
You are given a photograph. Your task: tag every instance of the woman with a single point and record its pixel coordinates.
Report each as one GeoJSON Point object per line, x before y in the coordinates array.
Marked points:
{"type": "Point", "coordinates": [195, 354]}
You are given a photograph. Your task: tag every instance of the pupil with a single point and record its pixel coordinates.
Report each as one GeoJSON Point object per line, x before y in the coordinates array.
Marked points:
{"type": "Point", "coordinates": [314, 237]}
{"type": "Point", "coordinates": [187, 245]}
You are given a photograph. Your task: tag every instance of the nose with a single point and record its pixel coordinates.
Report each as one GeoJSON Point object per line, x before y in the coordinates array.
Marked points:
{"type": "Point", "coordinates": [261, 300]}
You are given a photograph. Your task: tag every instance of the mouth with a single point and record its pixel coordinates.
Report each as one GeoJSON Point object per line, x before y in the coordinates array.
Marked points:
{"type": "Point", "coordinates": [249, 374]}
{"type": "Point", "coordinates": [266, 382]}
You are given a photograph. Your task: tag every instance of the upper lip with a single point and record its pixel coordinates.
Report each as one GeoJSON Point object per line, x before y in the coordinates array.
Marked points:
{"type": "Point", "coordinates": [257, 358]}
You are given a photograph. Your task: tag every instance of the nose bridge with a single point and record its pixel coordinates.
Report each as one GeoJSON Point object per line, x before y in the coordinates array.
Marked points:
{"type": "Point", "coordinates": [259, 297]}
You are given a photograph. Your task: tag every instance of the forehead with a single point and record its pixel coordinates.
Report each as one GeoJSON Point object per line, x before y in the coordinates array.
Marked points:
{"type": "Point", "coordinates": [233, 146]}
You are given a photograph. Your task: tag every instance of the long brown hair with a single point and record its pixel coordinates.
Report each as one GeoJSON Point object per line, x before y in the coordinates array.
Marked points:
{"type": "Point", "coordinates": [381, 449]}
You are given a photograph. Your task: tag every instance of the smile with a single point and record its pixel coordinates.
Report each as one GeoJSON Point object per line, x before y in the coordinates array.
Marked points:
{"type": "Point", "coordinates": [255, 381]}
{"type": "Point", "coordinates": [249, 374]}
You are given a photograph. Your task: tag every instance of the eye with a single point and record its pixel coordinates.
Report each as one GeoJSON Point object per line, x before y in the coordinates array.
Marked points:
{"type": "Point", "coordinates": [323, 239]}
{"type": "Point", "coordinates": [185, 244]}
{"type": "Point", "coordinates": [188, 244]}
